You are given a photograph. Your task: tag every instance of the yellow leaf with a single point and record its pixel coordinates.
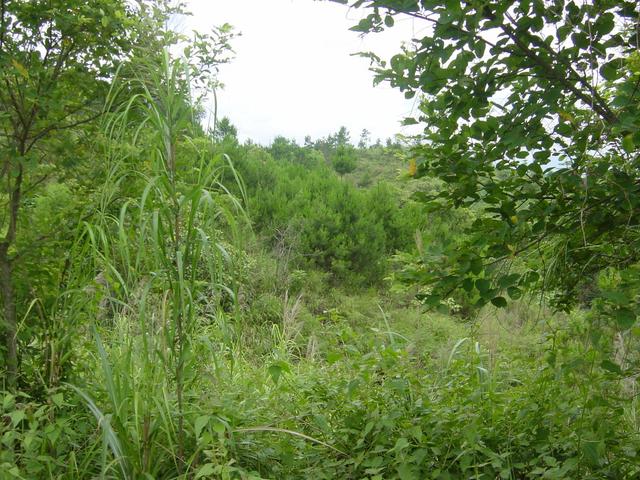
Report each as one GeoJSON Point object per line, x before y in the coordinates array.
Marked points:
{"type": "Point", "coordinates": [20, 68]}
{"type": "Point", "coordinates": [566, 117]}
{"type": "Point", "coordinates": [413, 167]}
{"type": "Point", "coordinates": [514, 219]}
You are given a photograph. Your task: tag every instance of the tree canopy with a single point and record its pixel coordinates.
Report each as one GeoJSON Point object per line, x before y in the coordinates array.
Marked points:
{"type": "Point", "coordinates": [530, 115]}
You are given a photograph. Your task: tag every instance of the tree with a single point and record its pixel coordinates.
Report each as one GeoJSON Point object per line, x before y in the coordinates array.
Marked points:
{"type": "Point", "coordinates": [344, 159]}
{"type": "Point", "coordinates": [57, 62]}
{"type": "Point", "coordinates": [342, 138]}
{"type": "Point", "coordinates": [364, 138]}
{"type": "Point", "coordinates": [308, 142]}
{"type": "Point", "coordinates": [284, 149]}
{"type": "Point", "coordinates": [392, 143]}
{"type": "Point", "coordinates": [225, 130]}
{"type": "Point", "coordinates": [56, 58]}
{"type": "Point", "coordinates": [530, 114]}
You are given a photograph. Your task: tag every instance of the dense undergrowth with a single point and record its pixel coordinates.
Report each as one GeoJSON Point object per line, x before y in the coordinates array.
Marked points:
{"type": "Point", "coordinates": [289, 367]}
{"type": "Point", "coordinates": [366, 389]}
{"type": "Point", "coordinates": [217, 310]}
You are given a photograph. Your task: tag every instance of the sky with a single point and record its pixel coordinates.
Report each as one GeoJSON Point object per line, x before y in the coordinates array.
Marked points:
{"type": "Point", "coordinates": [294, 73]}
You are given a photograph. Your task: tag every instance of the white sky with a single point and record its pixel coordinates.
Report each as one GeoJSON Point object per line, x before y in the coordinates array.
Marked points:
{"type": "Point", "coordinates": [293, 73]}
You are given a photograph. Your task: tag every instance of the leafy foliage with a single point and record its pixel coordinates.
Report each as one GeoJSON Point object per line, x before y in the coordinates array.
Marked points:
{"type": "Point", "coordinates": [530, 114]}
{"type": "Point", "coordinates": [344, 160]}
{"type": "Point", "coordinates": [298, 203]}
{"type": "Point", "coordinates": [158, 337]}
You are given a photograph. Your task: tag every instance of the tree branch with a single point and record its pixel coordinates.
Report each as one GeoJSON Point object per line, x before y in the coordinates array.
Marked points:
{"type": "Point", "coordinates": [603, 110]}
{"type": "Point", "coordinates": [51, 128]}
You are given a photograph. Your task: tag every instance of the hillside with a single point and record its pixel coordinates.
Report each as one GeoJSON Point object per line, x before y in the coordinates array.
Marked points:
{"type": "Point", "coordinates": [180, 304]}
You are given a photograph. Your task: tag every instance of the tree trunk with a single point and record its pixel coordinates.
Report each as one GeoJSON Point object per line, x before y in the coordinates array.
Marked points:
{"type": "Point", "coordinates": [10, 323]}
{"type": "Point", "coordinates": [6, 281]}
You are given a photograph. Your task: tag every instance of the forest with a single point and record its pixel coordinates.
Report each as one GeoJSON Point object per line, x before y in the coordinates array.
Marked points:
{"type": "Point", "coordinates": [457, 304]}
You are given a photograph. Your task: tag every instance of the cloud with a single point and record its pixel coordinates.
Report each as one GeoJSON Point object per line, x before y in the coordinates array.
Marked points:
{"type": "Point", "coordinates": [294, 74]}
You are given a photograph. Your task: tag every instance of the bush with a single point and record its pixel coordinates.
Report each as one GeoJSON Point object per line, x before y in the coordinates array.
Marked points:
{"type": "Point", "coordinates": [344, 160]}
{"type": "Point", "coordinates": [320, 221]}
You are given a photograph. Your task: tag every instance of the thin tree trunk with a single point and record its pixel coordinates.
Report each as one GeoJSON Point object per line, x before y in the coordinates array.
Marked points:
{"type": "Point", "coordinates": [10, 323]}
{"type": "Point", "coordinates": [6, 283]}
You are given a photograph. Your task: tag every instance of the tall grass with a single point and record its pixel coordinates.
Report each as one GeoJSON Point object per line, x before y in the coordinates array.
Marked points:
{"type": "Point", "coordinates": [160, 254]}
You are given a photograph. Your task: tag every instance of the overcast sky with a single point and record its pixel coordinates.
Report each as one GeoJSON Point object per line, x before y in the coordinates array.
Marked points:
{"type": "Point", "coordinates": [293, 73]}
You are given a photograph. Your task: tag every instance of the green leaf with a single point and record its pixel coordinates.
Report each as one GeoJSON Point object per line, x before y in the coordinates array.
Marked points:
{"type": "Point", "coordinates": [199, 424]}
{"type": "Point", "coordinates": [499, 302]}
{"type": "Point", "coordinates": [432, 300]}
{"type": "Point", "coordinates": [483, 285]}
{"type": "Point", "coordinates": [334, 356]}
{"type": "Point", "coordinates": [628, 144]}
{"type": "Point", "coordinates": [612, 367]}
{"type": "Point", "coordinates": [604, 24]}
{"type": "Point", "coordinates": [218, 426]}
{"type": "Point", "coordinates": [616, 297]}
{"type": "Point", "coordinates": [275, 371]}
{"type": "Point", "coordinates": [407, 472]}
{"type": "Point", "coordinates": [564, 129]}
{"type": "Point", "coordinates": [580, 40]}
{"type": "Point", "coordinates": [401, 444]}
{"type": "Point", "coordinates": [508, 280]}
{"type": "Point", "coordinates": [625, 318]}
{"type": "Point", "coordinates": [479, 48]}
{"type": "Point", "coordinates": [17, 416]}
{"type": "Point", "coordinates": [207, 470]}
{"type": "Point", "coordinates": [8, 401]}
{"type": "Point", "coordinates": [514, 293]}
{"type": "Point", "coordinates": [409, 121]}
{"type": "Point", "coordinates": [611, 70]}
{"type": "Point", "coordinates": [476, 266]}
{"type": "Point", "coordinates": [388, 21]}
{"type": "Point", "coordinates": [364, 25]}
{"type": "Point", "coordinates": [58, 399]}
{"type": "Point", "coordinates": [593, 450]}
